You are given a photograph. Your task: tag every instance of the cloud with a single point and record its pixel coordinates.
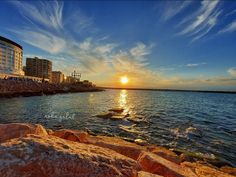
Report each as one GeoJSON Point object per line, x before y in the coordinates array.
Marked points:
{"type": "Point", "coordinates": [232, 71]}
{"type": "Point", "coordinates": [42, 40]}
{"type": "Point", "coordinates": [195, 64]}
{"type": "Point", "coordinates": [203, 20]}
{"type": "Point", "coordinates": [229, 28]}
{"type": "Point", "coordinates": [47, 13]}
{"type": "Point", "coordinates": [173, 8]}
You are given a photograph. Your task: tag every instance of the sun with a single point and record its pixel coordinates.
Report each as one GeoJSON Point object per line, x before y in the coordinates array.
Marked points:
{"type": "Point", "coordinates": [124, 80]}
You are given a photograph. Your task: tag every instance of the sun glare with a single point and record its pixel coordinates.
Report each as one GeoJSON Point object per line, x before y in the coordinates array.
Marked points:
{"type": "Point", "coordinates": [124, 80]}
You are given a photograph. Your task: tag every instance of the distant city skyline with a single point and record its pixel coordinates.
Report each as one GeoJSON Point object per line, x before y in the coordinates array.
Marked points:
{"type": "Point", "coordinates": [156, 44]}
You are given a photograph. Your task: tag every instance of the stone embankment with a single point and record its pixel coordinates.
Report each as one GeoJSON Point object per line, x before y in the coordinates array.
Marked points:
{"type": "Point", "coordinates": [12, 88]}
{"type": "Point", "coordinates": [30, 150]}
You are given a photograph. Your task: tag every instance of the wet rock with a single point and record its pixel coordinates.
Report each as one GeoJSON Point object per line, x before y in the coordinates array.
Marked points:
{"type": "Point", "coordinates": [105, 115]}
{"type": "Point", "coordinates": [118, 117]}
{"type": "Point", "coordinates": [16, 130]}
{"type": "Point", "coordinates": [193, 131]}
{"type": "Point", "coordinates": [130, 129]}
{"type": "Point", "coordinates": [36, 156]}
{"type": "Point", "coordinates": [117, 110]}
{"type": "Point", "coordinates": [140, 142]}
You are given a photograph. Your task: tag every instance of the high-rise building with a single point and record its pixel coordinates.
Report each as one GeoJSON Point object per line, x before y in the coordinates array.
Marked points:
{"type": "Point", "coordinates": [39, 68]}
{"type": "Point", "coordinates": [11, 55]}
{"type": "Point", "coordinates": [57, 77]}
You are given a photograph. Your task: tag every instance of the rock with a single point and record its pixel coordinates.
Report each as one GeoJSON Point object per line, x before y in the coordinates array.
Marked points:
{"type": "Point", "coordinates": [140, 142]}
{"type": "Point", "coordinates": [165, 153]}
{"type": "Point", "coordinates": [105, 115]}
{"type": "Point", "coordinates": [193, 131]}
{"type": "Point", "coordinates": [185, 157]}
{"type": "Point", "coordinates": [158, 165]}
{"type": "Point", "coordinates": [229, 170]}
{"type": "Point", "coordinates": [146, 174]}
{"type": "Point", "coordinates": [204, 170]}
{"type": "Point", "coordinates": [121, 146]}
{"type": "Point", "coordinates": [117, 110]}
{"type": "Point", "coordinates": [36, 156]}
{"type": "Point", "coordinates": [72, 135]}
{"type": "Point", "coordinates": [118, 117]}
{"type": "Point", "coordinates": [65, 153]}
{"type": "Point", "coordinates": [129, 129]}
{"type": "Point", "coordinates": [16, 130]}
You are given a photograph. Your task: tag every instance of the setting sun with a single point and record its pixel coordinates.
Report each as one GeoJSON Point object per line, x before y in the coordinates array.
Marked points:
{"type": "Point", "coordinates": [124, 80]}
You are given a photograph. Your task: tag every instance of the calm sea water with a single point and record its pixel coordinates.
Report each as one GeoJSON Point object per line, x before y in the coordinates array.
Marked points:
{"type": "Point", "coordinates": [199, 122]}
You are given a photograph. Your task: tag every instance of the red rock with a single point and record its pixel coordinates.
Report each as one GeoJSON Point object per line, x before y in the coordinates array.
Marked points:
{"type": "Point", "coordinates": [36, 156]}
{"type": "Point", "coordinates": [15, 130]}
{"type": "Point", "coordinates": [165, 153]}
{"type": "Point", "coordinates": [72, 135]}
{"type": "Point", "coordinates": [146, 174]}
{"type": "Point", "coordinates": [229, 170]}
{"type": "Point", "coordinates": [158, 165]}
{"type": "Point", "coordinates": [123, 147]}
{"type": "Point", "coordinates": [204, 170]}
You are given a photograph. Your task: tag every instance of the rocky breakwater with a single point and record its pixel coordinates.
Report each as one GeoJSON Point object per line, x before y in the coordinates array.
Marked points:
{"type": "Point", "coordinates": [14, 88]}
{"type": "Point", "coordinates": [30, 150]}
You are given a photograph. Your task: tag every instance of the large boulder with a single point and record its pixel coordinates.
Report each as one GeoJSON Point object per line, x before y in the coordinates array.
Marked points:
{"type": "Point", "coordinates": [37, 156]}
{"type": "Point", "coordinates": [16, 130]}
{"type": "Point", "coordinates": [153, 163]}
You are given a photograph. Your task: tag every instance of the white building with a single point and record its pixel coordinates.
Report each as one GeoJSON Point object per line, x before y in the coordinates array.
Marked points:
{"type": "Point", "coordinates": [11, 55]}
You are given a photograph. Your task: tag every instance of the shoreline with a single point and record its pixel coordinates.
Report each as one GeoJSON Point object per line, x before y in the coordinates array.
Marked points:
{"type": "Point", "coordinates": [43, 93]}
{"type": "Point", "coordinates": [77, 153]}
{"type": "Point", "coordinates": [9, 89]}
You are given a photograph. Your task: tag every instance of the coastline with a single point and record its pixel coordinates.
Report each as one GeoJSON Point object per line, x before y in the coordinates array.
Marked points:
{"type": "Point", "coordinates": [32, 150]}
{"type": "Point", "coordinates": [9, 89]}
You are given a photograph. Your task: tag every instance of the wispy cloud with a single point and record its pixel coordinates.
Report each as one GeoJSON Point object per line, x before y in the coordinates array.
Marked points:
{"type": "Point", "coordinates": [203, 20]}
{"type": "Point", "coordinates": [195, 64]}
{"type": "Point", "coordinates": [232, 71]}
{"type": "Point", "coordinates": [47, 13]}
{"type": "Point", "coordinates": [173, 8]}
{"type": "Point", "coordinates": [229, 28]}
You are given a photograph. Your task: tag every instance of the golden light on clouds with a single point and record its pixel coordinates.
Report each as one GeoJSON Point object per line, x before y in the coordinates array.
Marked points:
{"type": "Point", "coordinates": [124, 80]}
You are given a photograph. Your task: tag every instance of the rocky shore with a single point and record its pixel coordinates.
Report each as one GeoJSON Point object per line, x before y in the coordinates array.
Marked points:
{"type": "Point", "coordinates": [30, 150]}
{"type": "Point", "coordinates": [11, 88]}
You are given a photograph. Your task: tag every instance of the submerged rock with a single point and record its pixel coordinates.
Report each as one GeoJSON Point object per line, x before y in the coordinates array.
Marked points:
{"type": "Point", "coordinates": [105, 115]}
{"type": "Point", "coordinates": [118, 117]}
{"type": "Point", "coordinates": [117, 110]}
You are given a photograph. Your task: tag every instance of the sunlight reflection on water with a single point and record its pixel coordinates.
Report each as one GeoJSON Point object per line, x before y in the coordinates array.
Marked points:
{"type": "Point", "coordinates": [162, 118]}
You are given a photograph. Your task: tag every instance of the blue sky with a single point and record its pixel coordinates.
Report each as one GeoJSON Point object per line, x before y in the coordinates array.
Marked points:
{"type": "Point", "coordinates": [157, 44]}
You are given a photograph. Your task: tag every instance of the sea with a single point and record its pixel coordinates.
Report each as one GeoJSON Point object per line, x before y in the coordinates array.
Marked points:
{"type": "Point", "coordinates": [203, 123]}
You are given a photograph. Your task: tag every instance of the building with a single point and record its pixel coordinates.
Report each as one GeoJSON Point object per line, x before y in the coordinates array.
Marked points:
{"type": "Point", "coordinates": [70, 79]}
{"type": "Point", "coordinates": [39, 68]}
{"type": "Point", "coordinates": [57, 77]}
{"type": "Point", "coordinates": [11, 55]}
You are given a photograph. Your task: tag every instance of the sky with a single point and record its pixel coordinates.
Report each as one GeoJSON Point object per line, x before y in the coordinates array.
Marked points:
{"type": "Point", "coordinates": [156, 44]}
